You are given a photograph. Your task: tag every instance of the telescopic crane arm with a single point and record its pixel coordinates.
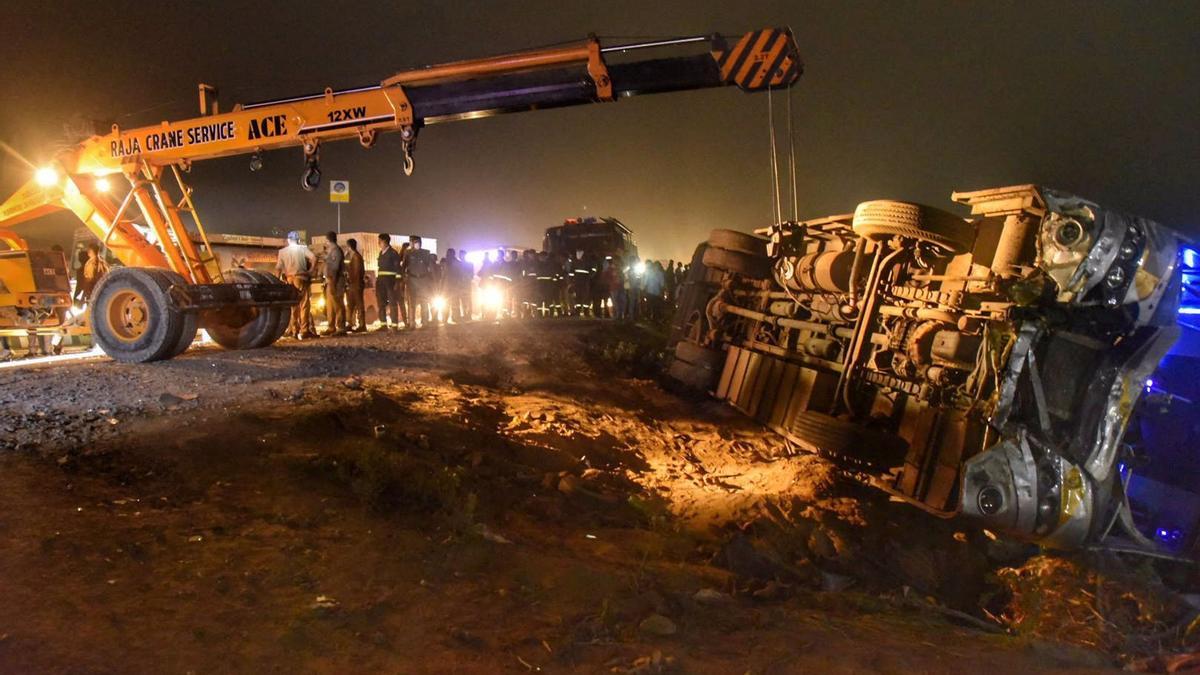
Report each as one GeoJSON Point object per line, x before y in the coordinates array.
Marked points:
{"type": "Point", "coordinates": [79, 178]}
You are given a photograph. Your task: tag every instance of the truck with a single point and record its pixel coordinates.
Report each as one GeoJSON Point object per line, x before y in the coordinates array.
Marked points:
{"type": "Point", "coordinates": [600, 237]}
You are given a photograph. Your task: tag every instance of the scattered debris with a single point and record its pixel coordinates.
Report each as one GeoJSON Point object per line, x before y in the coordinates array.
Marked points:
{"type": "Point", "coordinates": [170, 399]}
{"type": "Point", "coordinates": [711, 596]}
{"type": "Point", "coordinates": [835, 583]}
{"type": "Point", "coordinates": [649, 665]}
{"type": "Point", "coordinates": [324, 603]}
{"type": "Point", "coordinates": [486, 532]}
{"type": "Point", "coordinates": [1098, 602]}
{"type": "Point", "coordinates": [657, 624]}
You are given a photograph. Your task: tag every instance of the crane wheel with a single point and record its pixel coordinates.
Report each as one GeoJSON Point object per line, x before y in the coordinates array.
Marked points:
{"type": "Point", "coordinates": [191, 320]}
{"type": "Point", "coordinates": [882, 219]}
{"type": "Point", "coordinates": [133, 318]}
{"type": "Point", "coordinates": [283, 315]}
{"type": "Point", "coordinates": [244, 327]}
{"type": "Point", "coordinates": [742, 242]}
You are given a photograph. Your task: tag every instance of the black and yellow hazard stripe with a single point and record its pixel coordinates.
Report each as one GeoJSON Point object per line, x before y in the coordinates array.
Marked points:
{"type": "Point", "coordinates": [761, 59]}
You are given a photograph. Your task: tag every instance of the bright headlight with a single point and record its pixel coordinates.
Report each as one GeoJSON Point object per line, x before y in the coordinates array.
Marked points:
{"type": "Point", "coordinates": [438, 302]}
{"type": "Point", "coordinates": [493, 298]}
{"type": "Point", "coordinates": [46, 176]}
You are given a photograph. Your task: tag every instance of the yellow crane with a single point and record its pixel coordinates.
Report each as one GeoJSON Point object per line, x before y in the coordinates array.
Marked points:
{"type": "Point", "coordinates": [151, 308]}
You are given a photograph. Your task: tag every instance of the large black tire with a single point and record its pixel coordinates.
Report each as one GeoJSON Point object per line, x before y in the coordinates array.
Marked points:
{"type": "Point", "coordinates": [283, 315]}
{"type": "Point", "coordinates": [692, 376]}
{"type": "Point", "coordinates": [845, 441]}
{"type": "Point", "coordinates": [882, 219]}
{"type": "Point", "coordinates": [692, 299]}
{"type": "Point", "coordinates": [191, 320]}
{"type": "Point", "coordinates": [742, 242]}
{"type": "Point", "coordinates": [243, 328]}
{"type": "Point", "coordinates": [704, 357]}
{"type": "Point", "coordinates": [133, 318]}
{"type": "Point", "coordinates": [755, 267]}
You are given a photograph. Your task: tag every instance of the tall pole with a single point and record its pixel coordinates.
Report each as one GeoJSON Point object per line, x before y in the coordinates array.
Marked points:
{"type": "Point", "coordinates": [339, 207]}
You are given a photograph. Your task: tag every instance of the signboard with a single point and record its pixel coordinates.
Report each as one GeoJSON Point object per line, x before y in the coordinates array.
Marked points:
{"type": "Point", "coordinates": [339, 191]}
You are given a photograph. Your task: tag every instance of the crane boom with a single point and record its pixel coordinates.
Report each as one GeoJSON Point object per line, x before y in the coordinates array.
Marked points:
{"type": "Point", "coordinates": [147, 157]}
{"type": "Point", "coordinates": [411, 99]}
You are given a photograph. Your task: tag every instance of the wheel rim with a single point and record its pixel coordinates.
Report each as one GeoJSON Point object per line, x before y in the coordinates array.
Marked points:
{"type": "Point", "coordinates": [128, 315]}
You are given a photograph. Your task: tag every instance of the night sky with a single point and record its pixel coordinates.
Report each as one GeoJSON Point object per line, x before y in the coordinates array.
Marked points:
{"type": "Point", "coordinates": [905, 100]}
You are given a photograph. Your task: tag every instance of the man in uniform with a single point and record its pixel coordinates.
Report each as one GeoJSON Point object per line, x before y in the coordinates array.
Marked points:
{"type": "Point", "coordinates": [511, 274]}
{"type": "Point", "coordinates": [464, 275]}
{"type": "Point", "coordinates": [584, 269]}
{"type": "Point", "coordinates": [335, 286]}
{"type": "Point", "coordinates": [386, 297]}
{"type": "Point", "coordinates": [419, 268]}
{"type": "Point", "coordinates": [456, 286]}
{"type": "Point", "coordinates": [294, 265]}
{"type": "Point", "coordinates": [356, 279]}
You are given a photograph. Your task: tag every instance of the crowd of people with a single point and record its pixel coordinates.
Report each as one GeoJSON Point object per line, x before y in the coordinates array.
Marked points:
{"type": "Point", "coordinates": [541, 284]}
{"type": "Point", "coordinates": [413, 288]}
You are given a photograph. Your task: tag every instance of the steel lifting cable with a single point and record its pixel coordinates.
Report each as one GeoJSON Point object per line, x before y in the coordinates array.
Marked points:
{"type": "Point", "coordinates": [792, 159]}
{"type": "Point", "coordinates": [778, 215]}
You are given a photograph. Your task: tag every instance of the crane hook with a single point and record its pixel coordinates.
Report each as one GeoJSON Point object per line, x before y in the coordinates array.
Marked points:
{"type": "Point", "coordinates": [311, 178]}
{"type": "Point", "coordinates": [408, 141]}
{"type": "Point", "coordinates": [408, 161]}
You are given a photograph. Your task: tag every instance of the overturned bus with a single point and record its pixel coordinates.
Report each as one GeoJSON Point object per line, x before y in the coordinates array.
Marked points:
{"type": "Point", "coordinates": [984, 366]}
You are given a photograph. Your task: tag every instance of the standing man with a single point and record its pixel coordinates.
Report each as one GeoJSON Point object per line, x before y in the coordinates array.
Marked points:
{"type": "Point", "coordinates": [669, 282]}
{"type": "Point", "coordinates": [356, 279]}
{"type": "Point", "coordinates": [456, 287]}
{"type": "Point", "coordinates": [294, 266]}
{"type": "Point", "coordinates": [94, 268]}
{"type": "Point", "coordinates": [402, 288]}
{"type": "Point", "coordinates": [511, 273]}
{"type": "Point", "coordinates": [584, 268]}
{"type": "Point", "coordinates": [420, 268]}
{"type": "Point", "coordinates": [546, 288]}
{"type": "Point", "coordinates": [335, 285]}
{"type": "Point", "coordinates": [464, 275]}
{"type": "Point", "coordinates": [652, 286]}
{"type": "Point", "coordinates": [386, 297]}
{"type": "Point", "coordinates": [445, 283]}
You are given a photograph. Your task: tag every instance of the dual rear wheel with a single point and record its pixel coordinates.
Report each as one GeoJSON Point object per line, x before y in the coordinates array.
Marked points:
{"type": "Point", "coordinates": [248, 327]}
